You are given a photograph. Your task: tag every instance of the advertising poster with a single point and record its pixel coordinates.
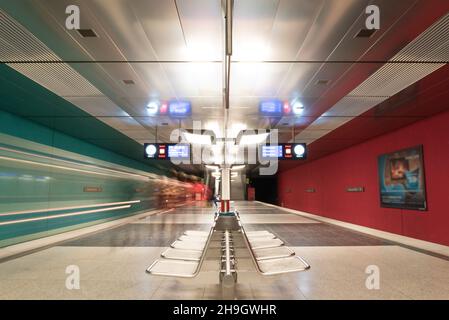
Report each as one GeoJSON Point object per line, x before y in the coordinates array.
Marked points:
{"type": "Point", "coordinates": [402, 181]}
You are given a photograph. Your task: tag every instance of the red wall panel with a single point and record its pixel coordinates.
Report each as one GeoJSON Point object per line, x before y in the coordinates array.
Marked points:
{"type": "Point", "coordinates": [357, 166]}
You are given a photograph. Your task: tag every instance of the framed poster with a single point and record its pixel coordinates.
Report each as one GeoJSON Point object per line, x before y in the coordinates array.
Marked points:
{"type": "Point", "coordinates": [402, 180]}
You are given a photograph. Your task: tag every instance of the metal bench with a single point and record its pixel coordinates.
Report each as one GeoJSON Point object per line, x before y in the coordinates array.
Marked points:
{"type": "Point", "coordinates": [269, 255]}
{"type": "Point", "coordinates": [185, 256]}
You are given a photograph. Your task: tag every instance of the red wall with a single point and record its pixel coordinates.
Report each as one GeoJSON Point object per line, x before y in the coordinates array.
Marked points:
{"type": "Point", "coordinates": [357, 166]}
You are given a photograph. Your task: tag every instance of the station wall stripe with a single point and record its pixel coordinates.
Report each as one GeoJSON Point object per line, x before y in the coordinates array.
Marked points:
{"type": "Point", "coordinates": [64, 215]}
{"type": "Point", "coordinates": [69, 208]}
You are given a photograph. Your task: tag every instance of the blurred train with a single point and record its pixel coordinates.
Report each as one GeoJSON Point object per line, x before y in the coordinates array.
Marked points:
{"type": "Point", "coordinates": [45, 189]}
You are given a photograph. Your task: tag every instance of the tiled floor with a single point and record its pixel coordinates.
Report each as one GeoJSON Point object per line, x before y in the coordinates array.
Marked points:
{"type": "Point", "coordinates": [112, 263]}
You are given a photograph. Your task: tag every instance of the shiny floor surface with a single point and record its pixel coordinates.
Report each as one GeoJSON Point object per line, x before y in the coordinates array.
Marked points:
{"type": "Point", "coordinates": [344, 264]}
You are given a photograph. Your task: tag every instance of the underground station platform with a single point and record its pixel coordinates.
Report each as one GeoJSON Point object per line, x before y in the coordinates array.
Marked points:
{"type": "Point", "coordinates": [219, 158]}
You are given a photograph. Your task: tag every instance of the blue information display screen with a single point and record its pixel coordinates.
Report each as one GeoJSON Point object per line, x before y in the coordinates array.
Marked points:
{"type": "Point", "coordinates": [272, 152]}
{"type": "Point", "coordinates": [284, 151]}
{"type": "Point", "coordinates": [179, 151]}
{"type": "Point", "coordinates": [271, 107]}
{"type": "Point", "coordinates": [179, 108]}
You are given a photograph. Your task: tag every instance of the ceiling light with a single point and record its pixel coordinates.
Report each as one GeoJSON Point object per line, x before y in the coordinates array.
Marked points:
{"type": "Point", "coordinates": [323, 82]}
{"type": "Point", "coordinates": [198, 138]}
{"type": "Point", "coordinates": [153, 107]}
{"type": "Point", "coordinates": [238, 167]}
{"type": "Point", "coordinates": [297, 108]}
{"type": "Point", "coordinates": [212, 167]}
{"type": "Point", "coordinates": [248, 139]}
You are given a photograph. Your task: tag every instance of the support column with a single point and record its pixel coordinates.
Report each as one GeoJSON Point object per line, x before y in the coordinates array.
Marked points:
{"type": "Point", "coordinates": [225, 188]}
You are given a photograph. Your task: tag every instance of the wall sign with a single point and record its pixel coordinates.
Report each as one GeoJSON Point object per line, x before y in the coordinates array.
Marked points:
{"type": "Point", "coordinates": [92, 189]}
{"type": "Point", "coordinates": [355, 189]}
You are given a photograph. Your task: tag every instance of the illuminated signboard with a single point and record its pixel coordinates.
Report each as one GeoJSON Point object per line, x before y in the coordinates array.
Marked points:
{"type": "Point", "coordinates": [166, 151]}
{"type": "Point", "coordinates": [271, 108]}
{"type": "Point", "coordinates": [274, 108]}
{"type": "Point", "coordinates": [179, 151]}
{"type": "Point", "coordinates": [284, 151]}
{"type": "Point", "coordinates": [272, 152]}
{"type": "Point", "coordinates": [179, 108]}
{"type": "Point", "coordinates": [173, 108]}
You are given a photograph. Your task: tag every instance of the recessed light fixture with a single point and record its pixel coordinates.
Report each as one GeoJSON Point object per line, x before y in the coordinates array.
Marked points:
{"type": "Point", "coordinates": [323, 82]}
{"type": "Point", "coordinates": [365, 33]}
{"type": "Point", "coordinates": [87, 33]}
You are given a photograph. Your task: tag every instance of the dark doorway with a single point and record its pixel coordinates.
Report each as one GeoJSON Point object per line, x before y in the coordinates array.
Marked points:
{"type": "Point", "coordinates": [266, 189]}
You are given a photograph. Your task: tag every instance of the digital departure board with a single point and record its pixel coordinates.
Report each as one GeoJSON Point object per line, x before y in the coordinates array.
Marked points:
{"type": "Point", "coordinates": [167, 151]}
{"type": "Point", "coordinates": [284, 151]}
{"type": "Point", "coordinates": [275, 108]}
{"type": "Point", "coordinates": [179, 151]}
{"type": "Point", "coordinates": [271, 108]}
{"type": "Point", "coordinates": [179, 108]}
{"type": "Point", "coordinates": [272, 152]}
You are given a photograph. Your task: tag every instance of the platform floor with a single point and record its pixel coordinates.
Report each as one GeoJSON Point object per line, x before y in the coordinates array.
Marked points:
{"type": "Point", "coordinates": [112, 263]}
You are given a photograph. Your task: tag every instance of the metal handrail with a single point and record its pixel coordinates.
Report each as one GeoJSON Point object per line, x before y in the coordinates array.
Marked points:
{"type": "Point", "coordinates": [227, 253]}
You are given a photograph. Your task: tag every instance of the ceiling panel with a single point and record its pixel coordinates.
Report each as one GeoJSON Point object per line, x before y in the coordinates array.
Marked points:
{"type": "Point", "coordinates": [202, 24]}
{"type": "Point", "coordinates": [294, 18]}
{"type": "Point", "coordinates": [195, 79]}
{"type": "Point", "coordinates": [97, 106]}
{"type": "Point", "coordinates": [391, 78]}
{"type": "Point", "coordinates": [257, 79]}
{"type": "Point", "coordinates": [252, 27]}
{"type": "Point", "coordinates": [161, 24]}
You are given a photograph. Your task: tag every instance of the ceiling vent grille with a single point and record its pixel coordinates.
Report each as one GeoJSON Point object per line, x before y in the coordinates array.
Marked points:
{"type": "Point", "coordinates": [87, 33]}
{"type": "Point", "coordinates": [365, 33]}
{"type": "Point", "coordinates": [18, 44]}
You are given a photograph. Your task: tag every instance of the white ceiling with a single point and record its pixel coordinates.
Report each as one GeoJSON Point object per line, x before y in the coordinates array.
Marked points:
{"type": "Point", "coordinates": [180, 46]}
